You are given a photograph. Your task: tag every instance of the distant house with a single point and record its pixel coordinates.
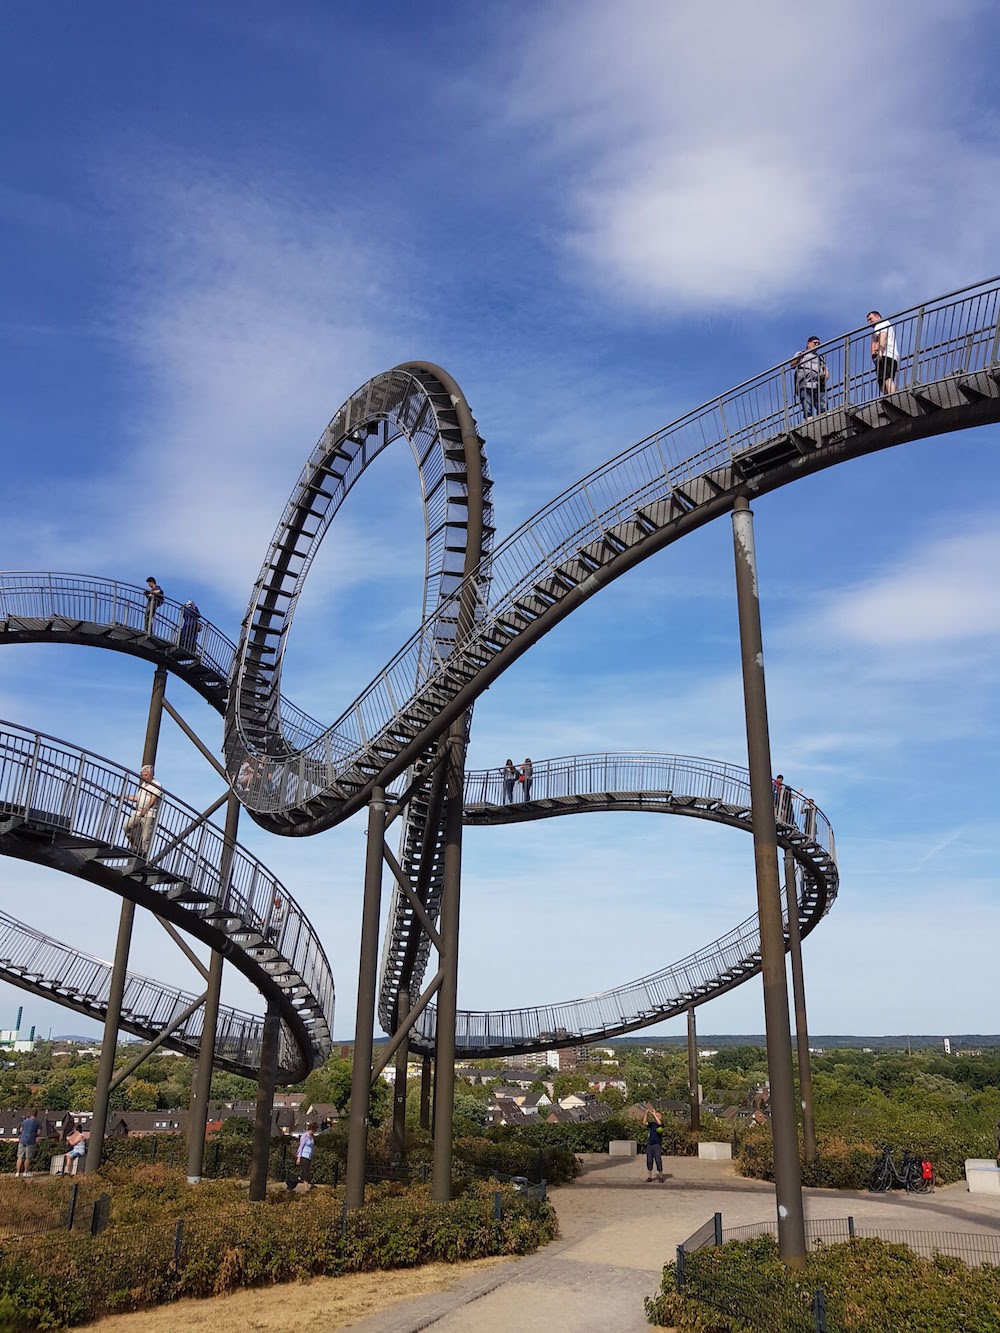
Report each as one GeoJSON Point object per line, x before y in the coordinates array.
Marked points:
{"type": "Point", "coordinates": [140, 1124]}
{"type": "Point", "coordinates": [505, 1111]}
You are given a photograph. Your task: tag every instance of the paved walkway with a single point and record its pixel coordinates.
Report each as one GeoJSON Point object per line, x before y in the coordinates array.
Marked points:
{"type": "Point", "coordinates": [617, 1232]}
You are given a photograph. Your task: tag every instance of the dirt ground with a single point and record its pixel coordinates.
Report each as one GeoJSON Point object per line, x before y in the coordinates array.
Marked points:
{"type": "Point", "coordinates": [296, 1307]}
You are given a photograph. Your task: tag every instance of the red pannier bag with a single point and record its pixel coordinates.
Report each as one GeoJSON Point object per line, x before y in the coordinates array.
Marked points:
{"type": "Point", "coordinates": [926, 1170]}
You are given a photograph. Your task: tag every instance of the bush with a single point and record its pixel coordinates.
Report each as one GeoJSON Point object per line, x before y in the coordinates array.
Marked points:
{"type": "Point", "coordinates": [594, 1136]}
{"type": "Point", "coordinates": [845, 1164]}
{"type": "Point", "coordinates": [227, 1242]}
{"type": "Point", "coordinates": [868, 1285]}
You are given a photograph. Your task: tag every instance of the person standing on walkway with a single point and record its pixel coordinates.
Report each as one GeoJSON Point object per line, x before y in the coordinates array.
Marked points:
{"type": "Point", "coordinates": [811, 376]}
{"type": "Point", "coordinates": [190, 625]}
{"type": "Point", "coordinates": [303, 1158]}
{"type": "Point", "coordinates": [27, 1143]}
{"type": "Point", "coordinates": [154, 600]}
{"type": "Point", "coordinates": [139, 825]}
{"type": "Point", "coordinates": [654, 1143]}
{"type": "Point", "coordinates": [509, 774]}
{"type": "Point", "coordinates": [526, 772]}
{"type": "Point", "coordinates": [885, 355]}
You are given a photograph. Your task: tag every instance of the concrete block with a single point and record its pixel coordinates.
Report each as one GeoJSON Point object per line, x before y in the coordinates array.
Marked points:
{"type": "Point", "coordinates": [716, 1152]}
{"type": "Point", "coordinates": [983, 1175]}
{"type": "Point", "coordinates": [621, 1148]}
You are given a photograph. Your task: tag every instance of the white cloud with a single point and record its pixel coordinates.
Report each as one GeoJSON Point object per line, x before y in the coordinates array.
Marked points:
{"type": "Point", "coordinates": [728, 155]}
{"type": "Point", "coordinates": [944, 591]}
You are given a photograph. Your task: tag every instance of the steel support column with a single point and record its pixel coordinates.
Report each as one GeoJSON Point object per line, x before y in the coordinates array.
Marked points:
{"type": "Point", "coordinates": [364, 1026]}
{"type": "Point", "coordinates": [399, 1084]}
{"type": "Point", "coordinates": [202, 1087]}
{"type": "Point", "coordinates": [447, 1002]}
{"type": "Point", "coordinates": [801, 1025]}
{"type": "Point", "coordinates": [112, 1018]}
{"type": "Point", "coordinates": [694, 1101]}
{"type": "Point", "coordinates": [265, 1102]}
{"type": "Point", "coordinates": [784, 1131]}
{"type": "Point", "coordinates": [425, 1092]}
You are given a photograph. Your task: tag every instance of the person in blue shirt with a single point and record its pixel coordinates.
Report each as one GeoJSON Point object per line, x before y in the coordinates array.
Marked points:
{"type": "Point", "coordinates": [303, 1158]}
{"type": "Point", "coordinates": [27, 1143]}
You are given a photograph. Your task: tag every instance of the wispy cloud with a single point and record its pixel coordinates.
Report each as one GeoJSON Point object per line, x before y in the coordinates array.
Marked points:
{"type": "Point", "coordinates": [728, 156]}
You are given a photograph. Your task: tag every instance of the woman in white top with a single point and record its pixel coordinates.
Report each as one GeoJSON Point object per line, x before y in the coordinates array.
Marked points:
{"type": "Point", "coordinates": [885, 357]}
{"type": "Point", "coordinates": [139, 825]}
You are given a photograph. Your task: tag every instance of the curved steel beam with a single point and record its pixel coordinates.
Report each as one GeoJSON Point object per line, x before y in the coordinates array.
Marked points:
{"type": "Point", "coordinates": [747, 441]}
{"type": "Point", "coordinates": [651, 784]}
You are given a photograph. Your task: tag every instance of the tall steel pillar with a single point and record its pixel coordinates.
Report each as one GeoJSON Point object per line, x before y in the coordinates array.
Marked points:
{"type": "Point", "coordinates": [119, 970]}
{"type": "Point", "coordinates": [265, 1101]}
{"type": "Point", "coordinates": [801, 1026]}
{"type": "Point", "coordinates": [693, 1099]}
{"type": "Point", "coordinates": [399, 1083]}
{"type": "Point", "coordinates": [784, 1131]}
{"type": "Point", "coordinates": [447, 999]}
{"type": "Point", "coordinates": [364, 1025]}
{"type": "Point", "coordinates": [425, 1092]}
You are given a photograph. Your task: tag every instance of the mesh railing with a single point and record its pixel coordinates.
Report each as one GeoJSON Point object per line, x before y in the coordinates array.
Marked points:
{"type": "Point", "coordinates": [954, 335]}
{"type": "Point", "coordinates": [148, 1006]}
{"type": "Point", "coordinates": [58, 787]}
{"type": "Point", "coordinates": [972, 1247]}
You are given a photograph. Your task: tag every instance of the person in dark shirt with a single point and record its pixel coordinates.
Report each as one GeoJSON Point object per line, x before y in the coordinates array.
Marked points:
{"type": "Point", "coordinates": [27, 1143]}
{"type": "Point", "coordinates": [154, 600]}
{"type": "Point", "coordinates": [654, 1144]}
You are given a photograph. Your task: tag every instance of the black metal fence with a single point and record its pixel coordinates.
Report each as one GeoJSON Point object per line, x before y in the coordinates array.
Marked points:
{"type": "Point", "coordinates": [781, 1300]}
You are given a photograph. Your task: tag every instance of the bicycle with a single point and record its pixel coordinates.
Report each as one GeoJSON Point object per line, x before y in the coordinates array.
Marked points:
{"type": "Point", "coordinates": [915, 1174]}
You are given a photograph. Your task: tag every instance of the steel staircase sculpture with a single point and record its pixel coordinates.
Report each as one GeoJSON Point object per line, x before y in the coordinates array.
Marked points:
{"type": "Point", "coordinates": [657, 784]}
{"type": "Point", "coordinates": [54, 971]}
{"type": "Point", "coordinates": [64, 807]}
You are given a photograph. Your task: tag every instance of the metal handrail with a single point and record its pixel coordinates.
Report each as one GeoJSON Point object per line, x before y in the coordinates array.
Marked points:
{"type": "Point", "coordinates": [40, 779]}
{"type": "Point", "coordinates": [956, 337]}
{"type": "Point", "coordinates": [721, 789]}
{"type": "Point", "coordinates": [84, 982]}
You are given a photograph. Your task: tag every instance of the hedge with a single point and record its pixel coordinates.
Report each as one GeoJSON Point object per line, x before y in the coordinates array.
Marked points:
{"type": "Point", "coordinates": [869, 1287]}
{"type": "Point", "coordinates": [845, 1164]}
{"type": "Point", "coordinates": [70, 1279]}
{"type": "Point", "coordinates": [594, 1136]}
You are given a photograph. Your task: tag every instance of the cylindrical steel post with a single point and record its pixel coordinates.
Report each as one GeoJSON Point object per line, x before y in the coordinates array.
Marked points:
{"type": "Point", "coordinates": [693, 1099]}
{"type": "Point", "coordinates": [155, 716]}
{"type": "Point", "coordinates": [425, 1092]}
{"type": "Point", "coordinates": [202, 1086]}
{"type": "Point", "coordinates": [399, 1084]}
{"type": "Point", "coordinates": [364, 1024]}
{"type": "Point", "coordinates": [447, 1000]}
{"type": "Point", "coordinates": [109, 1042]}
{"type": "Point", "coordinates": [801, 1026]}
{"type": "Point", "coordinates": [265, 1102]}
{"type": "Point", "coordinates": [784, 1130]}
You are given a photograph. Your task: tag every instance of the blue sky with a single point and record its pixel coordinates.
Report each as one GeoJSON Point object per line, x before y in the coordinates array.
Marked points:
{"type": "Point", "coordinates": [216, 222]}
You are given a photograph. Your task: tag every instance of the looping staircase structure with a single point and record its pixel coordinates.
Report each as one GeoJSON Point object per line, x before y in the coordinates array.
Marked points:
{"type": "Point", "coordinates": [484, 606]}
{"type": "Point", "coordinates": [54, 971]}
{"type": "Point", "coordinates": [66, 808]}
{"type": "Point", "coordinates": [655, 784]}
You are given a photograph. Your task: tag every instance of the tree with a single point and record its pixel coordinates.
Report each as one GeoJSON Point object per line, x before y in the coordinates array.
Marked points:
{"type": "Point", "coordinates": [564, 1084]}
{"type": "Point", "coordinates": [140, 1095]}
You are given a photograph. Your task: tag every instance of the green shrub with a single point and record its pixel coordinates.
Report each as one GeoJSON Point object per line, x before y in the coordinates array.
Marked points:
{"type": "Point", "coordinates": [845, 1164]}
{"type": "Point", "coordinates": [869, 1286]}
{"type": "Point", "coordinates": [227, 1242]}
{"type": "Point", "coordinates": [594, 1136]}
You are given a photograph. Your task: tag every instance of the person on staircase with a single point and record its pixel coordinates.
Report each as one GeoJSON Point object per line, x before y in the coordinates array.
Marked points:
{"type": "Point", "coordinates": [509, 775]}
{"type": "Point", "coordinates": [154, 600]}
{"type": "Point", "coordinates": [526, 773]}
{"type": "Point", "coordinates": [139, 825]}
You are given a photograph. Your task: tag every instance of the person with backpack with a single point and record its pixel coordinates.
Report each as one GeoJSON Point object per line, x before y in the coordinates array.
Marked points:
{"type": "Point", "coordinates": [526, 772]}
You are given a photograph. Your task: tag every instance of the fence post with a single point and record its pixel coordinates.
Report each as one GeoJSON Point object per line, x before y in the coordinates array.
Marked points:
{"type": "Point", "coordinates": [72, 1206]}
{"type": "Point", "coordinates": [717, 1219]}
{"type": "Point", "coordinates": [336, 1174]}
{"type": "Point", "coordinates": [343, 1220]}
{"type": "Point", "coordinates": [215, 1166]}
{"type": "Point", "coordinates": [178, 1242]}
{"type": "Point", "coordinates": [680, 1267]}
{"type": "Point", "coordinates": [850, 1227]}
{"type": "Point", "coordinates": [284, 1157]}
{"type": "Point", "coordinates": [819, 1310]}
{"type": "Point", "coordinates": [156, 1144]}
{"type": "Point", "coordinates": [99, 1217]}
{"type": "Point", "coordinates": [497, 1206]}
